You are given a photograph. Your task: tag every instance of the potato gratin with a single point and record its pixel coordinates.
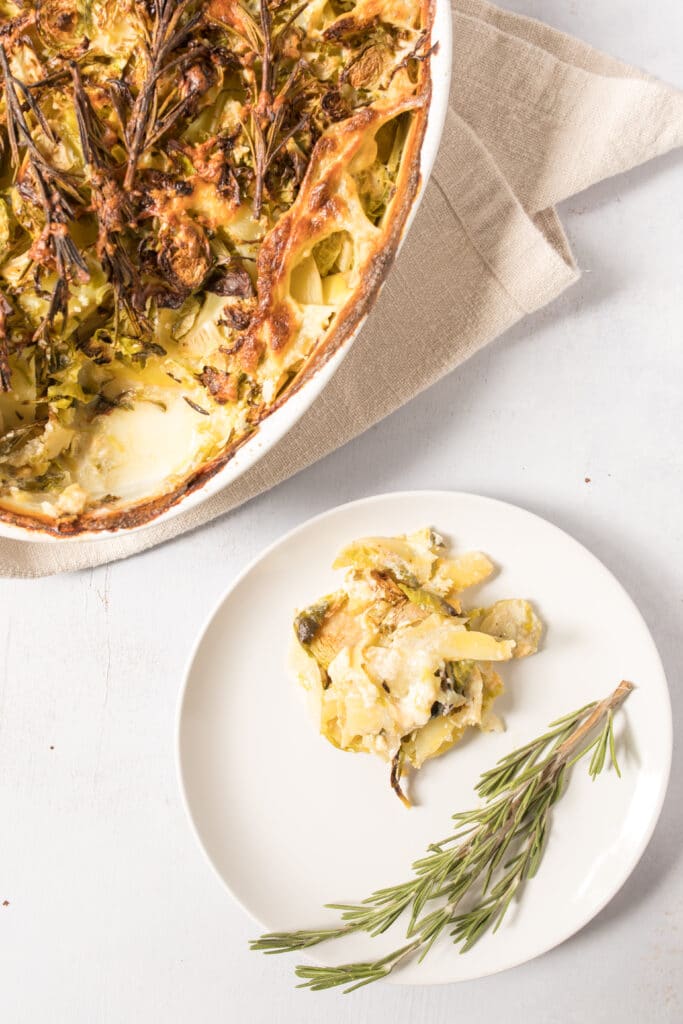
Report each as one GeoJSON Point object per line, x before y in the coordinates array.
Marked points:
{"type": "Point", "coordinates": [198, 201]}
{"type": "Point", "coordinates": [393, 664]}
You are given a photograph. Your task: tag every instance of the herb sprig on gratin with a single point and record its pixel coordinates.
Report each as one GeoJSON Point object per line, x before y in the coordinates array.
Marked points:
{"type": "Point", "coordinates": [198, 199]}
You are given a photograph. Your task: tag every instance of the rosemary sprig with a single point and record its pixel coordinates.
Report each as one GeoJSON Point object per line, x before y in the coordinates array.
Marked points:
{"type": "Point", "coordinates": [5, 372]}
{"type": "Point", "coordinates": [112, 207]}
{"type": "Point", "coordinates": [55, 192]}
{"type": "Point", "coordinates": [271, 106]}
{"type": "Point", "coordinates": [262, 112]}
{"type": "Point", "coordinates": [172, 23]}
{"type": "Point", "coordinates": [492, 851]}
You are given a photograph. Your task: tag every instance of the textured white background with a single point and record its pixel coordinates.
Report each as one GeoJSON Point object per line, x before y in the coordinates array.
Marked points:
{"type": "Point", "coordinates": [113, 915]}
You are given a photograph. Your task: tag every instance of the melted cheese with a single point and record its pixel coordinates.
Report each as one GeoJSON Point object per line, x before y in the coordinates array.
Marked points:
{"type": "Point", "coordinates": [408, 667]}
{"type": "Point", "coordinates": [415, 652]}
{"type": "Point", "coordinates": [131, 453]}
{"type": "Point", "coordinates": [387, 663]}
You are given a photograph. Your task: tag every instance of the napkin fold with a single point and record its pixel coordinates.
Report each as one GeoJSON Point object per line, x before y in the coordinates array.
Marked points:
{"type": "Point", "coordinates": [534, 116]}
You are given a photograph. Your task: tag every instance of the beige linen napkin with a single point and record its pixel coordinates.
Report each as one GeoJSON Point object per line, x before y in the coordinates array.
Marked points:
{"type": "Point", "coordinates": [535, 116]}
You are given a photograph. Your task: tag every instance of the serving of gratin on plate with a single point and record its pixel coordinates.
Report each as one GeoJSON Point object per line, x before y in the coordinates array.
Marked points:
{"type": "Point", "coordinates": [393, 664]}
{"type": "Point", "coordinates": [199, 200]}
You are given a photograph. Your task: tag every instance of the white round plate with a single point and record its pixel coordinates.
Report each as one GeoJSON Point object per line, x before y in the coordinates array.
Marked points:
{"type": "Point", "coordinates": [290, 823]}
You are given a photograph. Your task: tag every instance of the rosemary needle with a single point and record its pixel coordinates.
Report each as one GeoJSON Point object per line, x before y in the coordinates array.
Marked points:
{"type": "Point", "coordinates": [492, 851]}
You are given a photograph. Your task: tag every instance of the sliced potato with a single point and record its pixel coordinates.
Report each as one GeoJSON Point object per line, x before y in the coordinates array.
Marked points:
{"type": "Point", "coordinates": [456, 574]}
{"type": "Point", "coordinates": [402, 672]}
{"type": "Point", "coordinates": [512, 619]}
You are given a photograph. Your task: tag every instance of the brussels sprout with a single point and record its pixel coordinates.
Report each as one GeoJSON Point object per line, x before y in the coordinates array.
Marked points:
{"type": "Point", "coordinates": [307, 624]}
{"type": "Point", "coordinates": [367, 70]}
{"type": "Point", "coordinates": [377, 180]}
{"type": "Point", "coordinates": [335, 106]}
{"type": "Point", "coordinates": [233, 282]}
{"type": "Point", "coordinates": [184, 255]}
{"type": "Point", "coordinates": [66, 154]}
{"type": "Point", "coordinates": [455, 676]}
{"type": "Point", "coordinates": [99, 347]}
{"type": "Point", "coordinates": [325, 252]}
{"type": "Point", "coordinates": [14, 439]}
{"type": "Point", "coordinates": [35, 445]}
{"type": "Point", "coordinates": [427, 600]}
{"type": "Point", "coordinates": [51, 480]}
{"type": "Point", "coordinates": [187, 317]}
{"type": "Point", "coordinates": [62, 24]}
{"type": "Point", "coordinates": [392, 555]}
{"type": "Point", "coordinates": [375, 189]}
{"type": "Point", "coordinates": [322, 628]}
{"type": "Point", "coordinates": [334, 253]}
{"type": "Point", "coordinates": [219, 384]}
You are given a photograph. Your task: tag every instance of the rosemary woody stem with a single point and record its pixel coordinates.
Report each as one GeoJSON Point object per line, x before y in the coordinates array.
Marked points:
{"type": "Point", "coordinates": [263, 107]}
{"type": "Point", "coordinates": [166, 35]}
{"type": "Point", "coordinates": [611, 703]}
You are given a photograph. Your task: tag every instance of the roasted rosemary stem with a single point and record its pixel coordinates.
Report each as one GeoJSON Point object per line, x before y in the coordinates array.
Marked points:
{"type": "Point", "coordinates": [5, 372]}
{"type": "Point", "coordinates": [167, 33]}
{"type": "Point", "coordinates": [493, 850]}
{"type": "Point", "coordinates": [57, 195]}
{"type": "Point", "coordinates": [263, 113]}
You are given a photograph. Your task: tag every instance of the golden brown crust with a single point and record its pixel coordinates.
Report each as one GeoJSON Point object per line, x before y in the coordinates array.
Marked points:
{"type": "Point", "coordinates": [275, 317]}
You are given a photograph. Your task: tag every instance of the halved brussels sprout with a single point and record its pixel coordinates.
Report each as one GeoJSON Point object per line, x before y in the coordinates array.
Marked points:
{"type": "Point", "coordinates": [334, 253]}
{"type": "Point", "coordinates": [366, 71]}
{"type": "Point", "coordinates": [62, 24]}
{"type": "Point", "coordinates": [324, 629]}
{"type": "Point", "coordinates": [184, 254]}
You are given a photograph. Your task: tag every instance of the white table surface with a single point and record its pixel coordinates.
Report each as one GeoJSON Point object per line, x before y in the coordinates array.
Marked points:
{"type": "Point", "coordinates": [112, 914]}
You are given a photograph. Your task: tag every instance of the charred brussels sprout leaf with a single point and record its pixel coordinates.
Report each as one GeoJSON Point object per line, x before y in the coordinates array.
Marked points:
{"type": "Point", "coordinates": [427, 600]}
{"type": "Point", "coordinates": [184, 255]}
{"type": "Point", "coordinates": [307, 624]}
{"type": "Point", "coordinates": [455, 676]}
{"type": "Point", "coordinates": [234, 283]}
{"type": "Point", "coordinates": [334, 253]}
{"type": "Point", "coordinates": [375, 188]}
{"type": "Point", "coordinates": [218, 383]}
{"type": "Point", "coordinates": [62, 24]}
{"type": "Point", "coordinates": [187, 316]}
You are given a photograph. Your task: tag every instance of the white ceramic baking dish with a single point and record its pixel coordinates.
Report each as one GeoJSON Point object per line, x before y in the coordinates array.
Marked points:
{"type": "Point", "coordinates": [278, 423]}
